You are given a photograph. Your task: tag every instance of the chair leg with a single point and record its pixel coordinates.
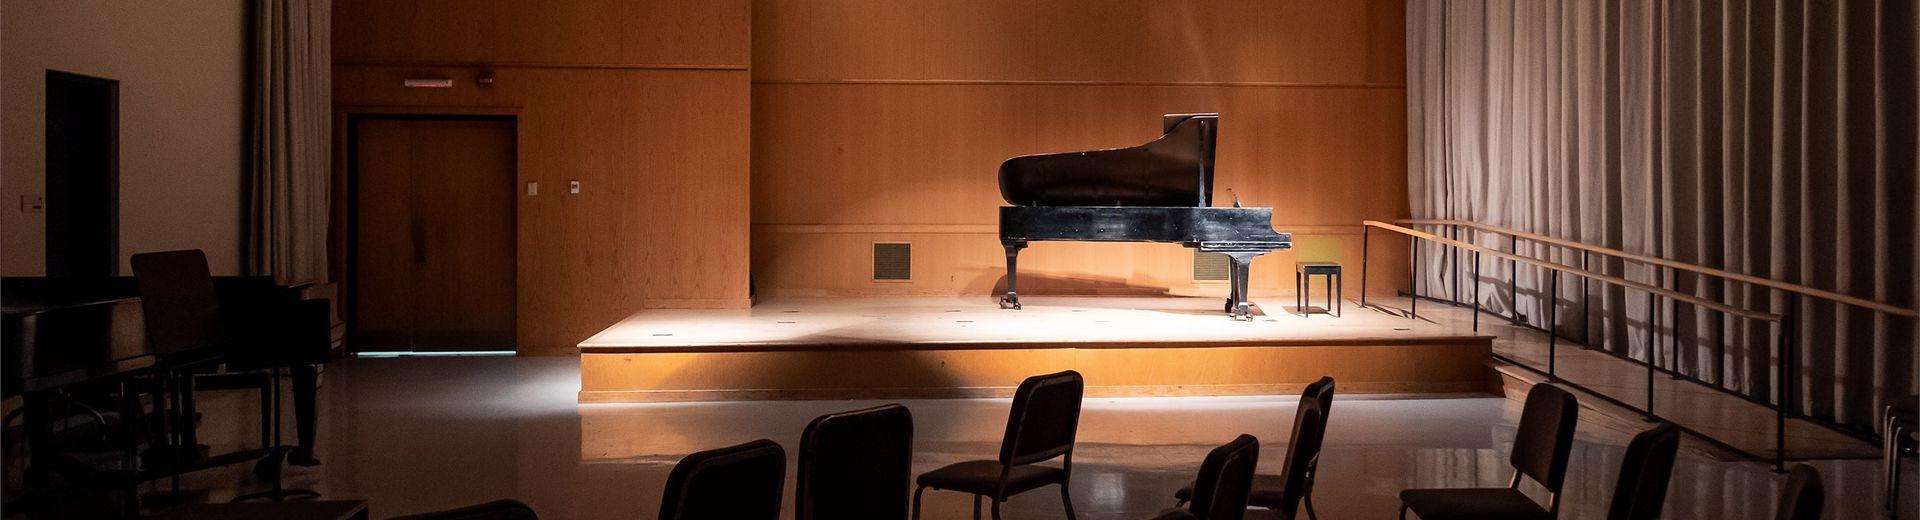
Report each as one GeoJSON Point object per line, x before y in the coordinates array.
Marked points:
{"type": "Point", "coordinates": [917, 491]}
{"type": "Point", "coordinates": [996, 509]}
{"type": "Point", "coordinates": [1310, 514]}
{"type": "Point", "coordinates": [976, 508]}
{"type": "Point", "coordinates": [1067, 500]}
{"type": "Point", "coordinates": [1403, 511]}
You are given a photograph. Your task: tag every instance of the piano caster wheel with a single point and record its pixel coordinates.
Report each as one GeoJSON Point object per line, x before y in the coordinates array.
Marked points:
{"type": "Point", "coordinates": [1009, 302]}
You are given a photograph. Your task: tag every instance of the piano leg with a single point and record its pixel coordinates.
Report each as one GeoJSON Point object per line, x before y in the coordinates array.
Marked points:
{"type": "Point", "coordinates": [1012, 299]}
{"type": "Point", "coordinates": [1242, 310]}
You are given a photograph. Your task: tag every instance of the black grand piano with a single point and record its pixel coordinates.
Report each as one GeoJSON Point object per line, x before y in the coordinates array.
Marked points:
{"type": "Point", "coordinates": [1161, 191]}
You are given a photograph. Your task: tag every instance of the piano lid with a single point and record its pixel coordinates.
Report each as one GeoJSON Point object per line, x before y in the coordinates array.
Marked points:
{"type": "Point", "coordinates": [1174, 170]}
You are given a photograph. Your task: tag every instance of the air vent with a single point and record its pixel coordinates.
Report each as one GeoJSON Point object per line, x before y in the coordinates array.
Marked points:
{"type": "Point", "coordinates": [892, 261]}
{"type": "Point", "coordinates": [1210, 267]}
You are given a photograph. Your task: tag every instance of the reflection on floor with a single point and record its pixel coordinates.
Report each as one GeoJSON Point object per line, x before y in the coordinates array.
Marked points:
{"type": "Point", "coordinates": [415, 434]}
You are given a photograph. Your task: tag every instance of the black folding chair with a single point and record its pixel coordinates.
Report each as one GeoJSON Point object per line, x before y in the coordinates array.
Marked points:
{"type": "Point", "coordinates": [1040, 427]}
{"type": "Point", "coordinates": [503, 509]}
{"type": "Point", "coordinates": [855, 465]}
{"type": "Point", "coordinates": [1641, 492]}
{"type": "Point", "coordinates": [1803, 497]}
{"type": "Point", "coordinates": [1283, 493]}
{"type": "Point", "coordinates": [1225, 482]}
{"type": "Point", "coordinates": [741, 482]}
{"type": "Point", "coordinates": [1540, 450]}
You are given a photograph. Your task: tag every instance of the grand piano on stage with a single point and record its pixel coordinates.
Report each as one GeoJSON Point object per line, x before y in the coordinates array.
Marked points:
{"type": "Point", "coordinates": [1161, 191]}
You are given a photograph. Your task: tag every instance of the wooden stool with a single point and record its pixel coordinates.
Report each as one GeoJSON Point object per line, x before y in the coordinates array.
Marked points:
{"type": "Point", "coordinates": [1303, 273]}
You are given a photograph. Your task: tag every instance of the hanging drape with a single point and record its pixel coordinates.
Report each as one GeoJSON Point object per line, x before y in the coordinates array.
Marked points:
{"type": "Point", "coordinates": [290, 132]}
{"type": "Point", "coordinates": [1769, 137]}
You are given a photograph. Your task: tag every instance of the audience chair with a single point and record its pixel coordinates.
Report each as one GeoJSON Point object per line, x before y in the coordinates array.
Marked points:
{"type": "Point", "coordinates": [1641, 492]}
{"type": "Point", "coordinates": [1226, 480]}
{"type": "Point", "coordinates": [1540, 450]}
{"type": "Point", "coordinates": [855, 464]}
{"type": "Point", "coordinates": [1283, 493]}
{"type": "Point", "coordinates": [503, 509]}
{"type": "Point", "coordinates": [741, 482]}
{"type": "Point", "coordinates": [1898, 426]}
{"type": "Point", "coordinates": [1803, 496]}
{"type": "Point", "coordinates": [1040, 427]}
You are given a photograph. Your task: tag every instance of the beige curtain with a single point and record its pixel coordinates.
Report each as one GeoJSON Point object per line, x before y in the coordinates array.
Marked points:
{"type": "Point", "coordinates": [290, 132]}
{"type": "Point", "coordinates": [1771, 137]}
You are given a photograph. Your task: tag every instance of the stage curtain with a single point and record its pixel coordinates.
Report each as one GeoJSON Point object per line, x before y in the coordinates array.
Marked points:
{"type": "Point", "coordinates": [1775, 138]}
{"type": "Point", "coordinates": [289, 135]}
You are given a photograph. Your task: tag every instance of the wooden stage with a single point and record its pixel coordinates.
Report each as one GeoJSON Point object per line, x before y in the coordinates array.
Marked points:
{"type": "Point", "coordinates": [922, 347]}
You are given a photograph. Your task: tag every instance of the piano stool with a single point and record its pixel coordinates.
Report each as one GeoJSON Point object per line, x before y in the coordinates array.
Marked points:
{"type": "Point", "coordinates": [1303, 273]}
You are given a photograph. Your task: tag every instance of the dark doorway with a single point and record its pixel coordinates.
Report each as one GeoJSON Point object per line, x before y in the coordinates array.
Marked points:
{"type": "Point", "coordinates": [83, 175]}
{"type": "Point", "coordinates": [431, 234]}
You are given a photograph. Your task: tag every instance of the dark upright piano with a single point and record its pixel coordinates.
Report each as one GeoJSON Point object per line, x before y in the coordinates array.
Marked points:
{"type": "Point", "coordinates": [1161, 191]}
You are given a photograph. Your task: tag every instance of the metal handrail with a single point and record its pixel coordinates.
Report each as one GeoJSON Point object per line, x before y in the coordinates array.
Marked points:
{"type": "Point", "coordinates": [1778, 322]}
{"type": "Point", "coordinates": [1671, 264]}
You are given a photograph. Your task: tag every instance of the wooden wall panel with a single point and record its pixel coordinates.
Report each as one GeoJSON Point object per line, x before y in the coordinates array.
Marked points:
{"type": "Point", "coordinates": [887, 121]}
{"type": "Point", "coordinates": [542, 33]}
{"type": "Point", "coordinates": [644, 102]}
{"type": "Point", "coordinates": [1290, 41]}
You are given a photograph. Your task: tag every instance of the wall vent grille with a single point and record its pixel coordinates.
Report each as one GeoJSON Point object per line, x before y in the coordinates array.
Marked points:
{"type": "Point", "coordinates": [892, 261]}
{"type": "Point", "coordinates": [1210, 267]}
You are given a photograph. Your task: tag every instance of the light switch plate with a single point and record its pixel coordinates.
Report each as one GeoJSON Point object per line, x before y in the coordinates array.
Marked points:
{"type": "Point", "coordinates": [533, 188]}
{"type": "Point", "coordinates": [573, 187]}
{"type": "Point", "coordinates": [33, 203]}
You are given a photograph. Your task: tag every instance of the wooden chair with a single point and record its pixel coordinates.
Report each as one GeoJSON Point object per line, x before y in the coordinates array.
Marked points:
{"type": "Point", "coordinates": [1040, 427]}
{"type": "Point", "coordinates": [855, 465]}
{"type": "Point", "coordinates": [1540, 451]}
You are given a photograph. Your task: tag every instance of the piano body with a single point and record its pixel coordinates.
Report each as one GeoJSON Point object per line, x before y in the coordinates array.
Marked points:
{"type": "Point", "coordinates": [1161, 191]}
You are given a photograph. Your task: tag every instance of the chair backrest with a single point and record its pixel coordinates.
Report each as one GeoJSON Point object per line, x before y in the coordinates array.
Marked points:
{"type": "Point", "coordinates": [503, 509]}
{"type": "Point", "coordinates": [855, 464]}
{"type": "Point", "coordinates": [1803, 497]}
{"type": "Point", "coordinates": [1226, 480]}
{"type": "Point", "coordinates": [177, 298]}
{"type": "Point", "coordinates": [741, 482]}
{"type": "Point", "coordinates": [1545, 438]}
{"type": "Point", "coordinates": [1044, 418]}
{"type": "Point", "coordinates": [1644, 473]}
{"type": "Point", "coordinates": [1303, 453]}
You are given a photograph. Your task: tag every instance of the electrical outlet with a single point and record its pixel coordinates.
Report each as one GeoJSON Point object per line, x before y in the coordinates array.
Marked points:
{"type": "Point", "coordinates": [573, 187]}
{"type": "Point", "coordinates": [33, 204]}
{"type": "Point", "coordinates": [533, 188]}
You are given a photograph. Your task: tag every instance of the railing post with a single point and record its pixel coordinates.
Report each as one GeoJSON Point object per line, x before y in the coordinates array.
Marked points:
{"type": "Point", "coordinates": [1453, 262]}
{"type": "Point", "coordinates": [1785, 369]}
{"type": "Point", "coordinates": [1365, 247]}
{"type": "Point", "coordinates": [1586, 300]}
{"type": "Point", "coordinates": [1513, 278]}
{"type": "Point", "coordinates": [1476, 290]}
{"type": "Point", "coordinates": [1652, 350]}
{"type": "Point", "coordinates": [1413, 277]}
{"type": "Point", "coordinates": [1553, 320]}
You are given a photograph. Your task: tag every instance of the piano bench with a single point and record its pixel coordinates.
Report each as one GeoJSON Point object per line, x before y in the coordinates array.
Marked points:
{"type": "Point", "coordinates": [1303, 273]}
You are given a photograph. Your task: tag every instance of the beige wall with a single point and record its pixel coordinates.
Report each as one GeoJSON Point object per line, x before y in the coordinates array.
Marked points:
{"type": "Point", "coordinates": [181, 67]}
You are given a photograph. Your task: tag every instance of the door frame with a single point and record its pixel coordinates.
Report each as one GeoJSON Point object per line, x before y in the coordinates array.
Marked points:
{"type": "Point", "coordinates": [342, 237]}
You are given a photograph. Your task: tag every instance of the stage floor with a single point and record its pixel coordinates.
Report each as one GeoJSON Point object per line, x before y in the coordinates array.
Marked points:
{"type": "Point", "coordinates": [924, 347]}
{"type": "Point", "coordinates": [979, 322]}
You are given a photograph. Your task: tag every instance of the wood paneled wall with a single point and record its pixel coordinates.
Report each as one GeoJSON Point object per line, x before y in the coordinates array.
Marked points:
{"type": "Point", "coordinates": [644, 102]}
{"type": "Point", "coordinates": [886, 120]}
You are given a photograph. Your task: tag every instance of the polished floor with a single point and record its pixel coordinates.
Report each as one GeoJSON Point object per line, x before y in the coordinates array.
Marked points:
{"type": "Point", "coordinates": [416, 434]}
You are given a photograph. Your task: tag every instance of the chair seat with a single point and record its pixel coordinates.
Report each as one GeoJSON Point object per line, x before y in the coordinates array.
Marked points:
{"type": "Point", "coordinates": [1472, 503]}
{"type": "Point", "coordinates": [1176, 514]}
{"type": "Point", "coordinates": [982, 477]}
{"type": "Point", "coordinates": [1268, 491]}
